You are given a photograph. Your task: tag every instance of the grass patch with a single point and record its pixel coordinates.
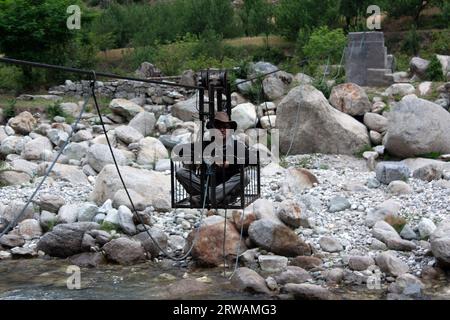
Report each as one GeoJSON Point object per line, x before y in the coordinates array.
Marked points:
{"type": "Point", "coordinates": [365, 148]}
{"type": "Point", "coordinates": [431, 155]}
{"type": "Point", "coordinates": [55, 110]}
{"type": "Point", "coordinates": [397, 222]}
{"type": "Point", "coordinates": [108, 226]}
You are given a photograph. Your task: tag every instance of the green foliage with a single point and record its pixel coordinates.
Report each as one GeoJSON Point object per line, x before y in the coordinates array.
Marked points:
{"type": "Point", "coordinates": [441, 42]}
{"type": "Point", "coordinates": [411, 44]}
{"type": "Point", "coordinates": [365, 148]}
{"type": "Point", "coordinates": [411, 8]}
{"type": "Point", "coordinates": [108, 226]}
{"type": "Point", "coordinates": [255, 17]}
{"type": "Point", "coordinates": [322, 86]}
{"type": "Point", "coordinates": [55, 110]}
{"type": "Point", "coordinates": [402, 62]}
{"type": "Point", "coordinates": [434, 70]}
{"type": "Point", "coordinates": [397, 222]}
{"type": "Point", "coordinates": [431, 155]}
{"type": "Point", "coordinates": [256, 92]}
{"type": "Point", "coordinates": [10, 109]}
{"type": "Point", "coordinates": [325, 43]}
{"type": "Point", "coordinates": [294, 15]}
{"type": "Point", "coordinates": [10, 79]}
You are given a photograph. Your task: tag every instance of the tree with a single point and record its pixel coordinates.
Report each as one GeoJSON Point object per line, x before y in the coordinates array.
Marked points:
{"type": "Point", "coordinates": [255, 16]}
{"type": "Point", "coordinates": [411, 8]}
{"type": "Point", "coordinates": [293, 16]}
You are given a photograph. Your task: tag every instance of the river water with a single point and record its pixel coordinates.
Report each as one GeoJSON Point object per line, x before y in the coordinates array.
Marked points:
{"type": "Point", "coordinates": [47, 279]}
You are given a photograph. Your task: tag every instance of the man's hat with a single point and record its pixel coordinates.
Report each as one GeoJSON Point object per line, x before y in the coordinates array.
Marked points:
{"type": "Point", "coordinates": [221, 117]}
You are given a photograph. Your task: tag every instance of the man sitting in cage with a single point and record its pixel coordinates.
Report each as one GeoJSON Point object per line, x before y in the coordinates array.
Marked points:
{"type": "Point", "coordinates": [226, 156]}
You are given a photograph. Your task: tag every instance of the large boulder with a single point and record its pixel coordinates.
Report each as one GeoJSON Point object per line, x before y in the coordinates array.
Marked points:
{"type": "Point", "coordinates": [158, 236]}
{"type": "Point", "coordinates": [150, 151]}
{"type": "Point", "coordinates": [277, 238]}
{"type": "Point", "coordinates": [375, 122]}
{"type": "Point", "coordinates": [10, 145]}
{"type": "Point", "coordinates": [150, 185]}
{"type": "Point", "coordinates": [125, 108]}
{"type": "Point", "coordinates": [440, 243]}
{"type": "Point", "coordinates": [124, 251]}
{"type": "Point", "coordinates": [13, 178]}
{"type": "Point", "coordinates": [309, 124]}
{"type": "Point", "coordinates": [144, 122]}
{"type": "Point", "coordinates": [76, 151]}
{"type": "Point", "coordinates": [391, 264]}
{"type": "Point", "coordinates": [12, 210]}
{"type": "Point", "coordinates": [400, 89]}
{"type": "Point", "coordinates": [246, 279]}
{"type": "Point", "coordinates": [128, 134]}
{"type": "Point", "coordinates": [417, 127]}
{"type": "Point", "coordinates": [244, 115]}
{"type": "Point", "coordinates": [99, 156]}
{"type": "Point", "coordinates": [35, 149]}
{"type": "Point", "coordinates": [419, 66]}
{"type": "Point", "coordinates": [209, 242]}
{"type": "Point", "coordinates": [23, 123]}
{"type": "Point", "coordinates": [350, 99]}
{"type": "Point", "coordinates": [260, 68]}
{"type": "Point", "coordinates": [64, 172]}
{"type": "Point", "coordinates": [187, 110]}
{"type": "Point", "coordinates": [274, 88]}
{"type": "Point", "coordinates": [306, 291]}
{"type": "Point", "coordinates": [65, 240]}
{"type": "Point", "coordinates": [298, 179]}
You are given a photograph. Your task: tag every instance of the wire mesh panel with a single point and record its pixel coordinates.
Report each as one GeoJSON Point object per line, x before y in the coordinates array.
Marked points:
{"type": "Point", "coordinates": [189, 187]}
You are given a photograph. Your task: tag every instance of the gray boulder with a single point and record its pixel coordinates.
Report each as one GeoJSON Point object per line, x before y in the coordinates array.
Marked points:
{"type": "Point", "coordinates": [350, 99]}
{"type": "Point", "coordinates": [34, 149]}
{"type": "Point", "coordinates": [125, 108]}
{"type": "Point", "coordinates": [128, 134]}
{"type": "Point", "coordinates": [158, 235]}
{"type": "Point", "coordinates": [338, 203]}
{"type": "Point", "coordinates": [308, 121]}
{"type": "Point", "coordinates": [388, 171]}
{"type": "Point", "coordinates": [65, 240]}
{"type": "Point", "coordinates": [391, 264]}
{"type": "Point", "coordinates": [330, 244]}
{"type": "Point", "coordinates": [293, 274]}
{"type": "Point", "coordinates": [306, 291]}
{"type": "Point", "coordinates": [440, 243]}
{"type": "Point", "coordinates": [126, 220]}
{"type": "Point", "coordinates": [124, 251]}
{"type": "Point", "coordinates": [417, 127]}
{"type": "Point", "coordinates": [144, 122]}
{"type": "Point", "coordinates": [99, 156]}
{"type": "Point", "coordinates": [246, 279]}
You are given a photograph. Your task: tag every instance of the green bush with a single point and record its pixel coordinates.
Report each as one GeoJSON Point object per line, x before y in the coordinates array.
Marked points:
{"type": "Point", "coordinates": [411, 44]}
{"type": "Point", "coordinates": [441, 42]}
{"type": "Point", "coordinates": [434, 71]}
{"type": "Point", "coordinates": [55, 110]}
{"type": "Point", "coordinates": [10, 79]}
{"type": "Point", "coordinates": [322, 86]}
{"type": "Point", "coordinates": [10, 109]}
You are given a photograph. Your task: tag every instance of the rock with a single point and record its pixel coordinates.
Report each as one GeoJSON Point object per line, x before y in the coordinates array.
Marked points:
{"type": "Point", "coordinates": [246, 279]}
{"type": "Point", "coordinates": [24, 252]}
{"type": "Point", "coordinates": [187, 110]}
{"type": "Point", "coordinates": [401, 76]}
{"type": "Point", "coordinates": [360, 263]}
{"type": "Point", "coordinates": [101, 139]}
{"type": "Point", "coordinates": [407, 284]}
{"type": "Point", "coordinates": [399, 187]}
{"type": "Point", "coordinates": [334, 276]}
{"type": "Point", "coordinates": [338, 203]}
{"type": "Point", "coordinates": [51, 202]}
{"type": "Point", "coordinates": [47, 220]}
{"type": "Point", "coordinates": [58, 137]}
{"type": "Point", "coordinates": [65, 239]}
{"type": "Point", "coordinates": [388, 171]}
{"type": "Point", "coordinates": [426, 228]}
{"type": "Point", "coordinates": [121, 199]}
{"type": "Point", "coordinates": [126, 221]}
{"type": "Point", "coordinates": [23, 123]}
{"type": "Point", "coordinates": [408, 233]}
{"type": "Point", "coordinates": [270, 263]}
{"type": "Point", "coordinates": [263, 209]}
{"type": "Point", "coordinates": [244, 115]}
{"type": "Point", "coordinates": [388, 208]}
{"type": "Point", "coordinates": [30, 229]}
{"type": "Point", "coordinates": [99, 156]}
{"type": "Point", "coordinates": [400, 89]}
{"type": "Point", "coordinates": [313, 126]}
{"type": "Point", "coordinates": [378, 245]}
{"type": "Point", "coordinates": [274, 87]}
{"type": "Point", "coordinates": [301, 78]}
{"type": "Point", "coordinates": [260, 68]}
{"type": "Point", "coordinates": [162, 165]}
{"type": "Point", "coordinates": [425, 88]}
{"type": "Point", "coordinates": [243, 220]}
{"type": "Point", "coordinates": [128, 134]}
{"type": "Point", "coordinates": [150, 151]}
{"type": "Point", "coordinates": [188, 78]}
{"type": "Point", "coordinates": [268, 122]}
{"type": "Point", "coordinates": [306, 291]}
{"type": "Point", "coordinates": [383, 231]}
{"type": "Point", "coordinates": [417, 127]}
{"type": "Point", "coordinates": [11, 241]}
{"type": "Point", "coordinates": [125, 108]}
{"type": "Point", "coordinates": [34, 150]}
{"type": "Point", "coordinates": [277, 238]}
{"type": "Point", "coordinates": [375, 137]}
{"type": "Point", "coordinates": [390, 264]}
{"type": "Point", "coordinates": [76, 151]}
{"type": "Point", "coordinates": [293, 274]}
{"type": "Point", "coordinates": [30, 168]}
{"type": "Point", "coordinates": [13, 210]}
{"type": "Point", "coordinates": [5, 255]}
{"type": "Point", "coordinates": [375, 122]}
{"type": "Point", "coordinates": [419, 66]}
{"type": "Point", "coordinates": [64, 172]}
{"type": "Point", "coordinates": [428, 172]}
{"type": "Point", "coordinates": [112, 218]}
{"type": "Point", "coordinates": [176, 243]}
{"type": "Point", "coordinates": [298, 179]}
{"type": "Point", "coordinates": [400, 244]}
{"type": "Point", "coordinates": [306, 262]}
{"type": "Point", "coordinates": [445, 63]}
{"type": "Point", "coordinates": [82, 135]}
{"type": "Point", "coordinates": [330, 244]}
{"type": "Point", "coordinates": [68, 213]}
{"type": "Point", "coordinates": [290, 212]}
{"type": "Point", "coordinates": [87, 212]}
{"type": "Point", "coordinates": [440, 243]}
{"type": "Point", "coordinates": [9, 145]}
{"type": "Point", "coordinates": [144, 123]}
{"type": "Point", "coordinates": [124, 251]}
{"type": "Point", "coordinates": [158, 235]}
{"type": "Point", "coordinates": [13, 178]}
{"type": "Point", "coordinates": [149, 184]}
{"type": "Point", "coordinates": [373, 183]}
{"type": "Point", "coordinates": [88, 259]}
{"type": "Point", "coordinates": [71, 108]}
{"type": "Point", "coordinates": [207, 250]}
{"type": "Point", "coordinates": [350, 99]}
